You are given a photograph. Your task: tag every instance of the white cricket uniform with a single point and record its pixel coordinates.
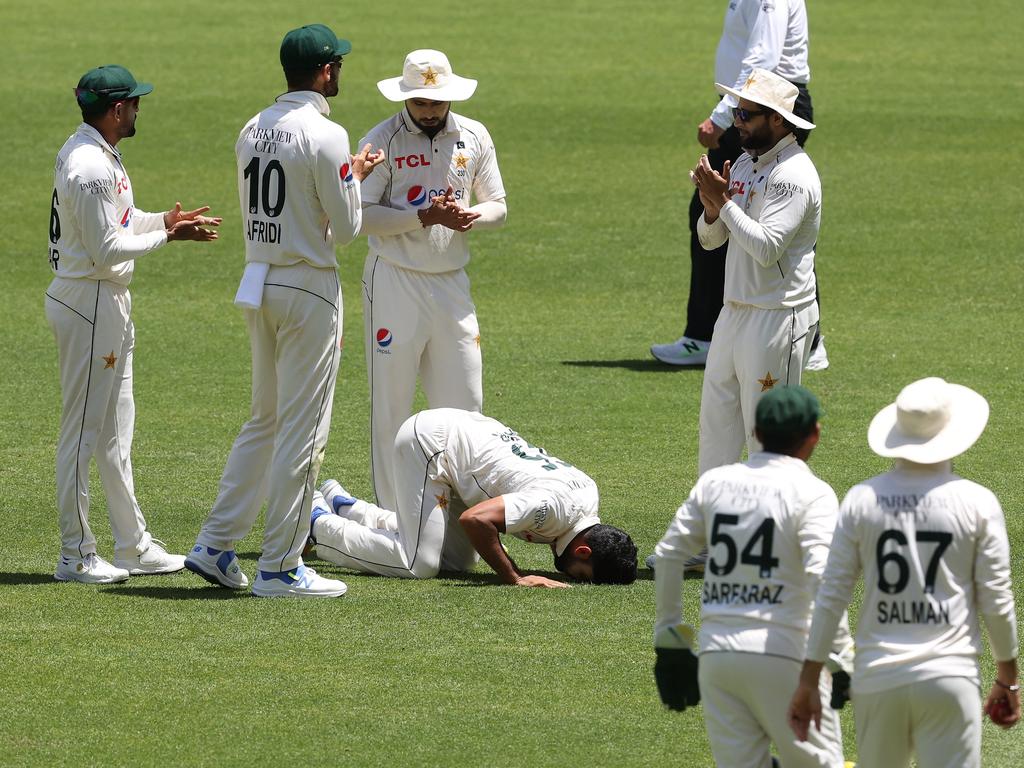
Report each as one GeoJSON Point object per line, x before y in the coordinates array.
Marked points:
{"type": "Point", "coordinates": [767, 525]}
{"type": "Point", "coordinates": [763, 334]}
{"type": "Point", "coordinates": [95, 236]}
{"type": "Point", "coordinates": [770, 34]}
{"type": "Point", "coordinates": [448, 460]}
{"type": "Point", "coordinates": [934, 553]}
{"type": "Point", "coordinates": [299, 200]}
{"type": "Point", "coordinates": [419, 316]}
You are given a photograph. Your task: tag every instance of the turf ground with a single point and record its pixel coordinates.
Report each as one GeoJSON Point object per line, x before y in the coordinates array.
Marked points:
{"type": "Point", "coordinates": [593, 108]}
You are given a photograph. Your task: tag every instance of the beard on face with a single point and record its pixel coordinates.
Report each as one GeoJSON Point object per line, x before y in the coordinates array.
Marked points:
{"type": "Point", "coordinates": [758, 140]}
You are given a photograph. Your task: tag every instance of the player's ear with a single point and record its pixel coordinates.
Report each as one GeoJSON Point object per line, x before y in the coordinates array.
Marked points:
{"type": "Point", "coordinates": [582, 551]}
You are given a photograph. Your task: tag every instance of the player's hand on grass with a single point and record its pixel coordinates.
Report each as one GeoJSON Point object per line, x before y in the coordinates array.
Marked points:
{"type": "Point", "coordinates": [446, 211]}
{"type": "Point", "coordinates": [541, 581]}
{"type": "Point", "coordinates": [365, 161]}
{"type": "Point", "coordinates": [708, 134]}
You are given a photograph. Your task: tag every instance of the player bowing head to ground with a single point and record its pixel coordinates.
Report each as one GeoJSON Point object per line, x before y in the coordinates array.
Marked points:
{"type": "Point", "coordinates": [461, 479]}
{"type": "Point", "coordinates": [935, 556]}
{"type": "Point", "coordinates": [768, 523]}
{"type": "Point", "coordinates": [96, 233]}
{"type": "Point", "coordinates": [440, 181]}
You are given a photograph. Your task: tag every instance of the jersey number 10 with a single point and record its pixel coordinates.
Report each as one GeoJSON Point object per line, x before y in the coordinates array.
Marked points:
{"type": "Point", "coordinates": [261, 187]}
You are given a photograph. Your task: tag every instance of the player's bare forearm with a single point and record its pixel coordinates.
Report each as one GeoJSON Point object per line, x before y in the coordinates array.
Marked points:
{"type": "Point", "coordinates": [483, 523]}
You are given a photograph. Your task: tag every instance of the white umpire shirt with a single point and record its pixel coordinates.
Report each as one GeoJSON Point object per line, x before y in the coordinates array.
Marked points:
{"type": "Point", "coordinates": [767, 524]}
{"type": "Point", "coordinates": [95, 230]}
{"type": "Point", "coordinates": [771, 224]}
{"type": "Point", "coordinates": [296, 186]}
{"type": "Point", "coordinates": [417, 168]}
{"type": "Point", "coordinates": [547, 500]}
{"type": "Point", "coordinates": [934, 552]}
{"type": "Point", "coordinates": [770, 34]}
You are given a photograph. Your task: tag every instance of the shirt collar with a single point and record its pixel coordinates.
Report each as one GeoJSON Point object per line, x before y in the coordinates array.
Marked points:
{"type": "Point", "coordinates": [92, 134]}
{"type": "Point", "coordinates": [307, 97]}
{"type": "Point", "coordinates": [772, 153]}
{"type": "Point", "coordinates": [766, 457]}
{"type": "Point", "coordinates": [581, 525]}
{"type": "Point", "coordinates": [451, 123]}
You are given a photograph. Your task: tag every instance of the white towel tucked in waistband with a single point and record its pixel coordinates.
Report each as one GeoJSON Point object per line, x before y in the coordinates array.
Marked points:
{"type": "Point", "coordinates": [250, 289]}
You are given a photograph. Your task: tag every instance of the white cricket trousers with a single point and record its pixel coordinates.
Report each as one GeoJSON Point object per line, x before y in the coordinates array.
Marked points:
{"type": "Point", "coordinates": [91, 322]}
{"type": "Point", "coordinates": [745, 697]}
{"type": "Point", "coordinates": [425, 535]}
{"type": "Point", "coordinates": [295, 338]}
{"type": "Point", "coordinates": [752, 350]}
{"type": "Point", "coordinates": [416, 323]}
{"type": "Point", "coordinates": [939, 720]}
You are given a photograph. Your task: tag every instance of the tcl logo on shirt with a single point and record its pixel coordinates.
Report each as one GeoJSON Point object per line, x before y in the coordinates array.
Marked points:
{"type": "Point", "coordinates": [738, 187]}
{"type": "Point", "coordinates": [122, 185]}
{"type": "Point", "coordinates": [411, 161]}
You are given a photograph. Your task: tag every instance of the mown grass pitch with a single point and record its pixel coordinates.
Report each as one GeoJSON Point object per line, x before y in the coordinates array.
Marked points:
{"type": "Point", "coordinates": [593, 107]}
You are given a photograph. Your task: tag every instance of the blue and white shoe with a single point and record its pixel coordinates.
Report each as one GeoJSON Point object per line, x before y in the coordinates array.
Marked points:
{"type": "Point", "coordinates": [299, 582]}
{"type": "Point", "coordinates": [217, 566]}
{"type": "Point", "coordinates": [337, 497]}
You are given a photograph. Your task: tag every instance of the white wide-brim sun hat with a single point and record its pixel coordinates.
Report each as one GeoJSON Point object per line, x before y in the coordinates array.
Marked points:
{"type": "Point", "coordinates": [769, 90]}
{"type": "Point", "coordinates": [930, 422]}
{"type": "Point", "coordinates": [427, 75]}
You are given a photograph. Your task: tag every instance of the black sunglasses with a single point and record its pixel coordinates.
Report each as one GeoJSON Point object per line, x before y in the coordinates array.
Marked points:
{"type": "Point", "coordinates": [746, 115]}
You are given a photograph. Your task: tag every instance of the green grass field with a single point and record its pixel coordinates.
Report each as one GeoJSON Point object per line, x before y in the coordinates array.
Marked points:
{"type": "Point", "coordinates": [593, 107]}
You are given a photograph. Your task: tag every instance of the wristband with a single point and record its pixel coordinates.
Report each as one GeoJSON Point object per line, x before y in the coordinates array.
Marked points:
{"type": "Point", "coordinates": [1010, 688]}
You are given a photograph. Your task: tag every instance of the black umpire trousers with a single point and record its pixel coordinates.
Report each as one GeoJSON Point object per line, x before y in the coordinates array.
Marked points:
{"type": "Point", "coordinates": [707, 268]}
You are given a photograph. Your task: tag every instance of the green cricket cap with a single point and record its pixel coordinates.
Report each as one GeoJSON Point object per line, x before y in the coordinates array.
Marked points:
{"type": "Point", "coordinates": [310, 47]}
{"type": "Point", "coordinates": [784, 411]}
{"type": "Point", "coordinates": [104, 85]}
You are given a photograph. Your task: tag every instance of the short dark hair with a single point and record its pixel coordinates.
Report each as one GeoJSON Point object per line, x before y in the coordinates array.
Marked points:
{"type": "Point", "coordinates": [612, 554]}
{"type": "Point", "coordinates": [785, 443]}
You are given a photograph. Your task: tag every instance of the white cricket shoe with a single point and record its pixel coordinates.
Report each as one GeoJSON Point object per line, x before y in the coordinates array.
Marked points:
{"type": "Point", "coordinates": [153, 561]}
{"type": "Point", "coordinates": [818, 361]}
{"type": "Point", "coordinates": [300, 582]}
{"type": "Point", "coordinates": [217, 566]}
{"type": "Point", "coordinates": [682, 351]}
{"type": "Point", "coordinates": [91, 569]}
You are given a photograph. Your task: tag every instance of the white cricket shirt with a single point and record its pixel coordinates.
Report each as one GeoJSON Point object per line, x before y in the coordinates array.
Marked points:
{"type": "Point", "coordinates": [95, 231]}
{"type": "Point", "coordinates": [770, 34]}
{"type": "Point", "coordinates": [547, 500]}
{"type": "Point", "coordinates": [934, 553]}
{"type": "Point", "coordinates": [771, 224]}
{"type": "Point", "coordinates": [767, 524]}
{"type": "Point", "coordinates": [297, 191]}
{"type": "Point", "coordinates": [417, 168]}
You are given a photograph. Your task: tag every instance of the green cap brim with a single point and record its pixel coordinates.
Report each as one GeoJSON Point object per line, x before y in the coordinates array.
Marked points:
{"type": "Point", "coordinates": [344, 48]}
{"type": "Point", "coordinates": [140, 89]}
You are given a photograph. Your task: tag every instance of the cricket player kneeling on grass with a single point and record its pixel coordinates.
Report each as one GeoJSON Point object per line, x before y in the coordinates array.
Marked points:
{"type": "Point", "coordinates": [768, 524]}
{"type": "Point", "coordinates": [461, 479]}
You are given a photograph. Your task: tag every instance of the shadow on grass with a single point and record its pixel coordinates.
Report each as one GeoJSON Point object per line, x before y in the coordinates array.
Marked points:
{"type": "Point", "coordinates": [641, 366]}
{"type": "Point", "coordinates": [21, 579]}
{"type": "Point", "coordinates": [177, 593]}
